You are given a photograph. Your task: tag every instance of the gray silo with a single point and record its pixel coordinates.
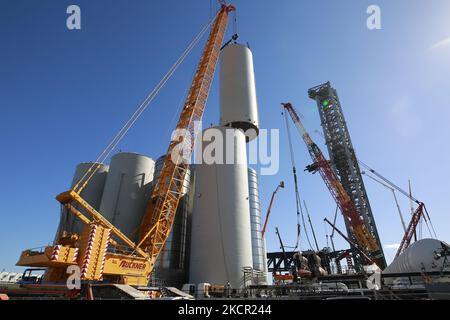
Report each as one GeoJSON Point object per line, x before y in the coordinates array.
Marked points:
{"type": "Point", "coordinates": [258, 244]}
{"type": "Point", "coordinates": [221, 237]}
{"type": "Point", "coordinates": [158, 165]}
{"type": "Point", "coordinates": [171, 265]}
{"type": "Point", "coordinates": [92, 193]}
{"type": "Point", "coordinates": [126, 191]}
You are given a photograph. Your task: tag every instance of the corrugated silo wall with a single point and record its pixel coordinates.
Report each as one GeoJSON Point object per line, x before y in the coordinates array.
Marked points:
{"type": "Point", "coordinates": [172, 265]}
{"type": "Point", "coordinates": [125, 196]}
{"type": "Point", "coordinates": [258, 244]}
{"type": "Point", "coordinates": [92, 193]}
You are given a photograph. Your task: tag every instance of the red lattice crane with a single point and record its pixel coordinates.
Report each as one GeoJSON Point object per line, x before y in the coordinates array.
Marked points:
{"type": "Point", "coordinates": [365, 239]}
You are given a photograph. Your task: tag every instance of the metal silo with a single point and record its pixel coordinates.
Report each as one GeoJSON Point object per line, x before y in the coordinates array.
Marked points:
{"type": "Point", "coordinates": [258, 244]}
{"type": "Point", "coordinates": [126, 191]}
{"type": "Point", "coordinates": [420, 256]}
{"type": "Point", "coordinates": [171, 265]}
{"type": "Point", "coordinates": [238, 103]}
{"type": "Point", "coordinates": [92, 193]}
{"type": "Point", "coordinates": [158, 166]}
{"type": "Point", "coordinates": [221, 237]}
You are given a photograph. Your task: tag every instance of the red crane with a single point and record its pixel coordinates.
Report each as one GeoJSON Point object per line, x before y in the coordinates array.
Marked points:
{"type": "Point", "coordinates": [365, 240]}
{"type": "Point", "coordinates": [281, 185]}
{"type": "Point", "coordinates": [411, 229]}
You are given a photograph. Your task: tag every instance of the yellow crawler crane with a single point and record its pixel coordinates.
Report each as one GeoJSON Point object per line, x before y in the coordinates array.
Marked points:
{"type": "Point", "coordinates": [133, 263]}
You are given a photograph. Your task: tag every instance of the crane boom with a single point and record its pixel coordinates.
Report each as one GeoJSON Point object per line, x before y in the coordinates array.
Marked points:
{"type": "Point", "coordinates": [411, 229]}
{"type": "Point", "coordinates": [281, 185]}
{"type": "Point", "coordinates": [160, 213]}
{"type": "Point", "coordinates": [133, 263]}
{"type": "Point", "coordinates": [365, 239]}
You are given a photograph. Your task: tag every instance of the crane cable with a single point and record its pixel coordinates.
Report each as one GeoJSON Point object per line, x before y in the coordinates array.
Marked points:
{"type": "Point", "coordinates": [427, 218]}
{"type": "Point", "coordinates": [297, 196]}
{"type": "Point", "coordinates": [311, 225]}
{"type": "Point", "coordinates": [395, 198]}
{"type": "Point", "coordinates": [81, 184]}
{"type": "Point", "coordinates": [409, 196]}
{"type": "Point", "coordinates": [394, 186]}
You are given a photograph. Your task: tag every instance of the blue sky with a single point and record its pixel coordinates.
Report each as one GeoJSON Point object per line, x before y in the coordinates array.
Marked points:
{"type": "Point", "coordinates": [64, 93]}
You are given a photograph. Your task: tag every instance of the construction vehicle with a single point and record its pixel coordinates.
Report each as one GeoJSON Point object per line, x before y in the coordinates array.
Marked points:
{"type": "Point", "coordinates": [365, 240]}
{"type": "Point", "coordinates": [102, 252]}
{"type": "Point", "coordinates": [281, 185]}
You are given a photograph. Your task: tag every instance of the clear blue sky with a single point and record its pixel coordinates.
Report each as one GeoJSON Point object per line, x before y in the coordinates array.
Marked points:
{"type": "Point", "coordinates": [64, 93]}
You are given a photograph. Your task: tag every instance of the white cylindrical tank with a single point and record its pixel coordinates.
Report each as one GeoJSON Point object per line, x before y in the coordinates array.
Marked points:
{"type": "Point", "coordinates": [92, 193]}
{"type": "Point", "coordinates": [258, 245]}
{"type": "Point", "coordinates": [126, 191]}
{"type": "Point", "coordinates": [238, 103]}
{"type": "Point", "coordinates": [221, 234]}
{"type": "Point", "coordinates": [419, 256]}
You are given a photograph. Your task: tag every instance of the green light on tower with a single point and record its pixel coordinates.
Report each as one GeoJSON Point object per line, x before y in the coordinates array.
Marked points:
{"type": "Point", "coordinates": [325, 103]}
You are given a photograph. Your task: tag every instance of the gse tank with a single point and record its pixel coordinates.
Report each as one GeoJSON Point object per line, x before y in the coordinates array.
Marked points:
{"type": "Point", "coordinates": [258, 244]}
{"type": "Point", "coordinates": [238, 103]}
{"type": "Point", "coordinates": [419, 256]}
{"type": "Point", "coordinates": [221, 234]}
{"type": "Point", "coordinates": [126, 191]}
{"type": "Point", "coordinates": [92, 193]}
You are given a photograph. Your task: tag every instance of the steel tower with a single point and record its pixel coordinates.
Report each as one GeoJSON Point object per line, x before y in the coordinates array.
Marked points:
{"type": "Point", "coordinates": [342, 156]}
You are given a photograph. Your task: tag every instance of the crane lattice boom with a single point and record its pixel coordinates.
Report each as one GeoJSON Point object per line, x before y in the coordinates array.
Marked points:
{"type": "Point", "coordinates": [411, 229]}
{"type": "Point", "coordinates": [160, 212]}
{"type": "Point", "coordinates": [365, 240]}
